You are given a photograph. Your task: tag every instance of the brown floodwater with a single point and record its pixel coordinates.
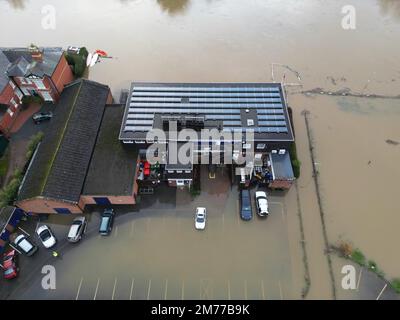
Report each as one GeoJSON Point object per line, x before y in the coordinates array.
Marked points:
{"type": "Point", "coordinates": [236, 40]}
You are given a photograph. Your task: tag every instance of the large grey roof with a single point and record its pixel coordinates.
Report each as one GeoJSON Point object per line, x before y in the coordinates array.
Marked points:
{"type": "Point", "coordinates": [113, 165]}
{"type": "Point", "coordinates": [227, 106]}
{"type": "Point", "coordinates": [20, 62]}
{"type": "Point", "coordinates": [60, 166]}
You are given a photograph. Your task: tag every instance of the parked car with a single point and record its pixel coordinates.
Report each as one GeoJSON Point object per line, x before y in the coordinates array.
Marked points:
{"type": "Point", "coordinates": [200, 218]}
{"type": "Point", "coordinates": [106, 223]}
{"type": "Point", "coordinates": [262, 204]}
{"type": "Point", "coordinates": [42, 116]}
{"type": "Point", "coordinates": [10, 264]}
{"type": "Point", "coordinates": [46, 236]}
{"type": "Point", "coordinates": [246, 212]}
{"type": "Point", "coordinates": [77, 229]}
{"type": "Point", "coordinates": [22, 243]}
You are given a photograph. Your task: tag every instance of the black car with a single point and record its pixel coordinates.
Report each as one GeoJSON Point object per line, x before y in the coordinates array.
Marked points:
{"type": "Point", "coordinates": [42, 116]}
{"type": "Point", "coordinates": [106, 222]}
{"type": "Point", "coordinates": [246, 212]}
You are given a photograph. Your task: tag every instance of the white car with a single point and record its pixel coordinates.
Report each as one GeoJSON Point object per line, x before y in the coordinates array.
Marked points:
{"type": "Point", "coordinates": [262, 204]}
{"type": "Point", "coordinates": [46, 236]}
{"type": "Point", "coordinates": [78, 228]}
{"type": "Point", "coordinates": [200, 218]}
{"type": "Point", "coordinates": [25, 245]}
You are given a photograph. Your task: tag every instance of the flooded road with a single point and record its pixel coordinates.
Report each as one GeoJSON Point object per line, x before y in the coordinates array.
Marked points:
{"type": "Point", "coordinates": [236, 40]}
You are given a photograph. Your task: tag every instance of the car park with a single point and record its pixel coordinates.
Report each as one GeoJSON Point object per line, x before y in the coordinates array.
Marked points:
{"type": "Point", "coordinates": [42, 116]}
{"type": "Point", "coordinates": [77, 229]}
{"type": "Point", "coordinates": [106, 222]}
{"type": "Point", "coordinates": [262, 203]}
{"type": "Point", "coordinates": [10, 264]}
{"type": "Point", "coordinates": [200, 218]}
{"type": "Point", "coordinates": [246, 212]}
{"type": "Point", "coordinates": [24, 245]}
{"type": "Point", "coordinates": [46, 236]}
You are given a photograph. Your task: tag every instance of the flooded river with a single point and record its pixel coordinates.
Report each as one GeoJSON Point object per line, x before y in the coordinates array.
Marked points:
{"type": "Point", "coordinates": [237, 40]}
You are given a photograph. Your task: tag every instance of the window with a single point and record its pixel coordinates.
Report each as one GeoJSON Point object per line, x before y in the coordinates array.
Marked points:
{"type": "Point", "coordinates": [24, 80]}
{"type": "Point", "coordinates": [19, 94]}
{"type": "Point", "coordinates": [260, 146]}
{"type": "Point", "coordinates": [12, 84]}
{"type": "Point", "coordinates": [246, 146]}
{"type": "Point", "coordinates": [25, 92]}
{"type": "Point", "coordinates": [14, 103]}
{"type": "Point", "coordinates": [62, 210]}
{"type": "Point", "coordinates": [39, 84]}
{"type": "Point", "coordinates": [10, 112]}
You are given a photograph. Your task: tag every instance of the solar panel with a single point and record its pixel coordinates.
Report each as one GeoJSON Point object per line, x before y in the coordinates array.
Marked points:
{"type": "Point", "coordinates": [272, 123]}
{"type": "Point", "coordinates": [206, 94]}
{"type": "Point", "coordinates": [223, 102]}
{"type": "Point", "coordinates": [271, 117]}
{"type": "Point", "coordinates": [139, 105]}
{"type": "Point", "coordinates": [205, 88]}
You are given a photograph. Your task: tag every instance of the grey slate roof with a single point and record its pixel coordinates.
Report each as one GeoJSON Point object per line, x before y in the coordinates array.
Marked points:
{"type": "Point", "coordinates": [60, 166]}
{"type": "Point", "coordinates": [20, 62]}
{"type": "Point", "coordinates": [4, 62]}
{"type": "Point", "coordinates": [113, 165]}
{"type": "Point", "coordinates": [281, 166]}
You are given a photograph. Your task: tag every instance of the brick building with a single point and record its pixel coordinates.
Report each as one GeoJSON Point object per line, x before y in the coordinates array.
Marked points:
{"type": "Point", "coordinates": [30, 72]}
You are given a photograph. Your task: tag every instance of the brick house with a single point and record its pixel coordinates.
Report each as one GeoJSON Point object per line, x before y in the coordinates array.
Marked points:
{"type": "Point", "coordinates": [30, 72]}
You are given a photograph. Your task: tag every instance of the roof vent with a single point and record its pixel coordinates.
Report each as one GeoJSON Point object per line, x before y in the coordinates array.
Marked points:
{"type": "Point", "coordinates": [247, 110]}
{"type": "Point", "coordinates": [250, 122]}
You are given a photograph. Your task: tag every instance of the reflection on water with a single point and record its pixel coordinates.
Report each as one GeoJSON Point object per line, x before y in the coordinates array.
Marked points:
{"type": "Point", "coordinates": [390, 7]}
{"type": "Point", "coordinates": [17, 4]}
{"type": "Point", "coordinates": [173, 7]}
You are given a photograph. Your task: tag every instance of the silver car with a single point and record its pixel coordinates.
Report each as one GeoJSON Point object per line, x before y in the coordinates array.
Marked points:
{"type": "Point", "coordinates": [77, 229]}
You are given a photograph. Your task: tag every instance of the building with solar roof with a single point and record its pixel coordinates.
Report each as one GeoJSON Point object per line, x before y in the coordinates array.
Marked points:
{"type": "Point", "coordinates": [228, 107]}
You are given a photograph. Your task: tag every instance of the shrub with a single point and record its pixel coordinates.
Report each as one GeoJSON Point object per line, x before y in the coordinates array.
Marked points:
{"type": "Point", "coordinates": [33, 144]}
{"type": "Point", "coordinates": [9, 193]}
{"type": "Point", "coordinates": [77, 61]}
{"type": "Point", "coordinates": [395, 284]}
{"type": "Point", "coordinates": [26, 100]}
{"type": "Point", "coordinates": [358, 257]}
{"type": "Point", "coordinates": [296, 164]}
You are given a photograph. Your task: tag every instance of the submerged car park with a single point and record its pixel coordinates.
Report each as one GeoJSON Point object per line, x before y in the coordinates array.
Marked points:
{"type": "Point", "coordinates": [110, 174]}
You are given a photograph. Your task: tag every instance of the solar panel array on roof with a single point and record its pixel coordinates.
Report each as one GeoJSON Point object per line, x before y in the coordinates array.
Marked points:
{"type": "Point", "coordinates": [220, 102]}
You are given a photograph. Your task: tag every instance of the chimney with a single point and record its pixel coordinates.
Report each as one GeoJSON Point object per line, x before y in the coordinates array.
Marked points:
{"type": "Point", "coordinates": [36, 53]}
